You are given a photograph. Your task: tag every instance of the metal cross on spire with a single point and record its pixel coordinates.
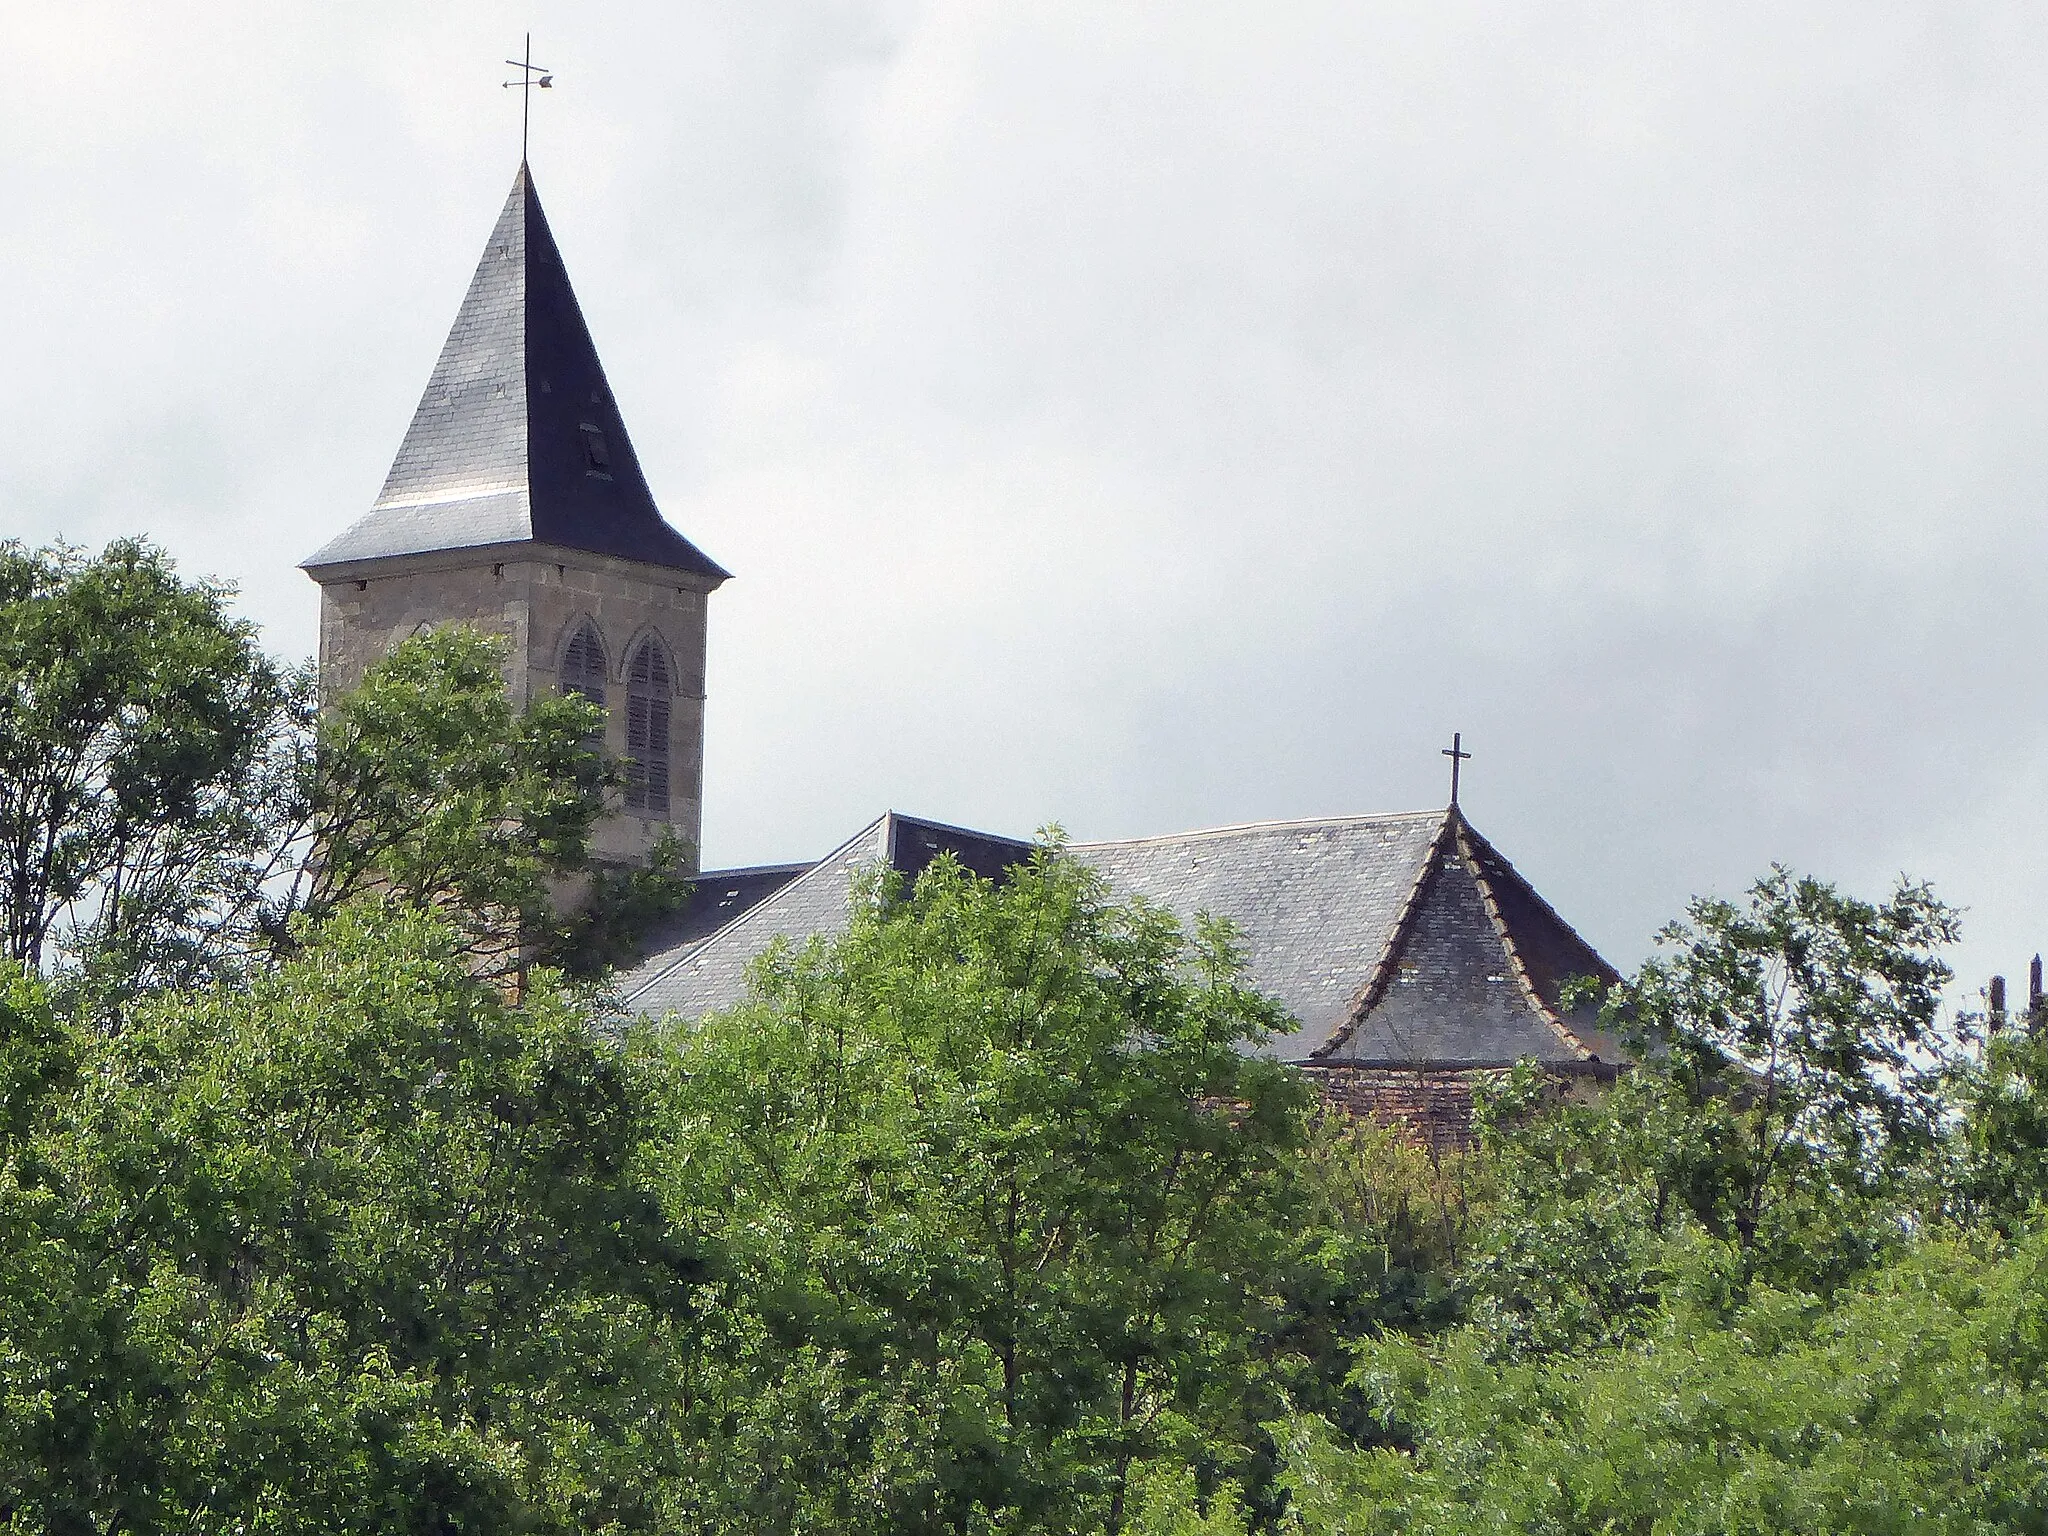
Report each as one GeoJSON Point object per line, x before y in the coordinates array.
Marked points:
{"type": "Point", "coordinates": [1458, 756]}
{"type": "Point", "coordinates": [530, 75]}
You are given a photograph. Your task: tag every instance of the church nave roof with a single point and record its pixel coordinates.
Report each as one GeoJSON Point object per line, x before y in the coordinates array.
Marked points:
{"type": "Point", "coordinates": [1393, 940]}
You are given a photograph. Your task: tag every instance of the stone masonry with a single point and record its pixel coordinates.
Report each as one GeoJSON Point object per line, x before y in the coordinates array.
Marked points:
{"type": "Point", "coordinates": [533, 598]}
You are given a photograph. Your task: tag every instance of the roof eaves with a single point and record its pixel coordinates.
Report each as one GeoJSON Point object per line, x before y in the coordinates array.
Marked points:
{"type": "Point", "coordinates": [1376, 981]}
{"type": "Point", "coordinates": [1591, 1066]}
{"type": "Point", "coordinates": [736, 872]}
{"type": "Point", "coordinates": [453, 556]}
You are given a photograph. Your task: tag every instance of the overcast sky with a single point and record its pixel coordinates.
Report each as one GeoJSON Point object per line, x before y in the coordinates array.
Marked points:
{"type": "Point", "coordinates": [1155, 416]}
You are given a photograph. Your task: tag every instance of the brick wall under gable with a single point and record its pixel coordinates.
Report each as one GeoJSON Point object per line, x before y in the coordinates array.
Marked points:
{"type": "Point", "coordinates": [1432, 1107]}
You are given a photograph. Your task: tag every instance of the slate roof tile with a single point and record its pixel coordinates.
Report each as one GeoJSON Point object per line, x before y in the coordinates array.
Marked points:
{"type": "Point", "coordinates": [1315, 901]}
{"type": "Point", "coordinates": [1398, 940]}
{"type": "Point", "coordinates": [694, 975]}
{"type": "Point", "coordinates": [719, 896]}
{"type": "Point", "coordinates": [505, 445]}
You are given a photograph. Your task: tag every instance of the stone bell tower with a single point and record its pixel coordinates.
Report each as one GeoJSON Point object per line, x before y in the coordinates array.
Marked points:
{"type": "Point", "coordinates": [516, 504]}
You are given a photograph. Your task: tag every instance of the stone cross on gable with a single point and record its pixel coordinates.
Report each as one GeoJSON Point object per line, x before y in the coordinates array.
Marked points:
{"type": "Point", "coordinates": [1458, 756]}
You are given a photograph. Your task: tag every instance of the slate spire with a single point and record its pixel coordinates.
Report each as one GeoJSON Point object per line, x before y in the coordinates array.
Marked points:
{"type": "Point", "coordinates": [517, 439]}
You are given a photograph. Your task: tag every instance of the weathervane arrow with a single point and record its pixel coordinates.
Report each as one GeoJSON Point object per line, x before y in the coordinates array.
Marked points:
{"type": "Point", "coordinates": [530, 75]}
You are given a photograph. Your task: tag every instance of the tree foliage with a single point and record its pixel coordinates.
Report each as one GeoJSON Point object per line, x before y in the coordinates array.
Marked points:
{"type": "Point", "coordinates": [424, 783]}
{"type": "Point", "coordinates": [1913, 1399]}
{"type": "Point", "coordinates": [134, 712]}
{"type": "Point", "coordinates": [1788, 1275]}
{"type": "Point", "coordinates": [326, 1203]}
{"type": "Point", "coordinates": [2000, 1169]}
{"type": "Point", "coordinates": [173, 804]}
{"type": "Point", "coordinates": [1003, 1202]}
{"type": "Point", "coordinates": [359, 1247]}
{"type": "Point", "coordinates": [1812, 1020]}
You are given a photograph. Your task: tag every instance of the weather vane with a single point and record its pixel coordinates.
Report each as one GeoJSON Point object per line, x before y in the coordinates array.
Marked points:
{"type": "Point", "coordinates": [1459, 756]}
{"type": "Point", "coordinates": [530, 75]}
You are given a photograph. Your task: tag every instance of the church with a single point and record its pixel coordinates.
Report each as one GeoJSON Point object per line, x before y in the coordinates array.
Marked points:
{"type": "Point", "coordinates": [1408, 951]}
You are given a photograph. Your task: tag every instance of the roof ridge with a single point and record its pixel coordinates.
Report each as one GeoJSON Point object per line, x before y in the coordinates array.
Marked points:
{"type": "Point", "coordinates": [796, 866]}
{"type": "Point", "coordinates": [741, 922]}
{"type": "Point", "coordinates": [1517, 966]}
{"type": "Point", "coordinates": [947, 826]}
{"type": "Point", "coordinates": [1376, 980]}
{"type": "Point", "coordinates": [1281, 825]}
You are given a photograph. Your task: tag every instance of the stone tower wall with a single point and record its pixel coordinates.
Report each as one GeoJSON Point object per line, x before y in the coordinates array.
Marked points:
{"type": "Point", "coordinates": [532, 596]}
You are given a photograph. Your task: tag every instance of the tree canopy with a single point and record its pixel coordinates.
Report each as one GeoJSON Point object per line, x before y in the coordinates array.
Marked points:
{"type": "Point", "coordinates": [133, 712]}
{"type": "Point", "coordinates": [1787, 1276]}
{"type": "Point", "coordinates": [173, 803]}
{"type": "Point", "coordinates": [360, 1246]}
{"type": "Point", "coordinates": [425, 784]}
{"type": "Point", "coordinates": [1004, 1206]}
{"type": "Point", "coordinates": [337, 1195]}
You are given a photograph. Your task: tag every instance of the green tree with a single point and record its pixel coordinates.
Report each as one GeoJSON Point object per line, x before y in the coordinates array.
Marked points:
{"type": "Point", "coordinates": [424, 783]}
{"type": "Point", "coordinates": [1787, 1096]}
{"type": "Point", "coordinates": [1572, 1255]}
{"type": "Point", "coordinates": [2000, 1168]}
{"type": "Point", "coordinates": [1004, 1202]}
{"type": "Point", "coordinates": [1813, 1019]}
{"type": "Point", "coordinates": [1719, 1296]}
{"type": "Point", "coordinates": [172, 803]}
{"type": "Point", "coordinates": [133, 712]}
{"type": "Point", "coordinates": [1386, 1232]}
{"type": "Point", "coordinates": [357, 1247]}
{"type": "Point", "coordinates": [1911, 1400]}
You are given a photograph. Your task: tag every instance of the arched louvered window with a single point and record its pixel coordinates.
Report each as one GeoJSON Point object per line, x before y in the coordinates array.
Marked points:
{"type": "Point", "coordinates": [583, 663]}
{"type": "Point", "coordinates": [647, 747]}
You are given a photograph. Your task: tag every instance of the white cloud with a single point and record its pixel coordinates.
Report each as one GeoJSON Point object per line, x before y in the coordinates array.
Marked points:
{"type": "Point", "coordinates": [1155, 414]}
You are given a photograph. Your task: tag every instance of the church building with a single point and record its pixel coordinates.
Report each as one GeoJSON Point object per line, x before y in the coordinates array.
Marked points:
{"type": "Point", "coordinates": [1408, 951]}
